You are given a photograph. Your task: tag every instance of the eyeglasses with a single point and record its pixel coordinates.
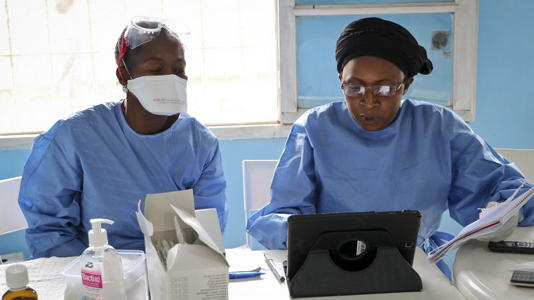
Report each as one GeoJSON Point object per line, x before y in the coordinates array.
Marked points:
{"type": "Point", "coordinates": [142, 30]}
{"type": "Point", "coordinates": [358, 91]}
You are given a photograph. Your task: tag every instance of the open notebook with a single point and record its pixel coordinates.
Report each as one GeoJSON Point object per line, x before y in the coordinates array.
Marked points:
{"type": "Point", "coordinates": [491, 220]}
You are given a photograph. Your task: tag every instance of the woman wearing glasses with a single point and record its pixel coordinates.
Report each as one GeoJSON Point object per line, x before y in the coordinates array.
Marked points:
{"type": "Point", "coordinates": [377, 151]}
{"type": "Point", "coordinates": [100, 162]}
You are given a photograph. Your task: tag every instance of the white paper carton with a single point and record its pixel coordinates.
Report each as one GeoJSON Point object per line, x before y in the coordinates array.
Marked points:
{"type": "Point", "coordinates": [184, 249]}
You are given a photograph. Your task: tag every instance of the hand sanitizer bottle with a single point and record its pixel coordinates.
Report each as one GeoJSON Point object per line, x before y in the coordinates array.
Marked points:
{"type": "Point", "coordinates": [101, 266]}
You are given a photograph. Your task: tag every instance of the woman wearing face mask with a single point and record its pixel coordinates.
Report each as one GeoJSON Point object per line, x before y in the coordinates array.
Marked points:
{"type": "Point", "coordinates": [378, 152]}
{"type": "Point", "coordinates": [101, 161]}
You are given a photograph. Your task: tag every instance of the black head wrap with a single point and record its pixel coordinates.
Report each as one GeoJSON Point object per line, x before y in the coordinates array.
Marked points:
{"type": "Point", "coordinates": [384, 39]}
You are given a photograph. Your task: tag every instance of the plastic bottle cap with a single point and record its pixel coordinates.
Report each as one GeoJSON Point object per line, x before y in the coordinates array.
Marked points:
{"type": "Point", "coordinates": [16, 277]}
{"type": "Point", "coordinates": [98, 237]}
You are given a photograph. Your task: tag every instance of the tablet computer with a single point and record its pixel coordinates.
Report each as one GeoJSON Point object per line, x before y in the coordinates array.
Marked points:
{"type": "Point", "coordinates": [366, 232]}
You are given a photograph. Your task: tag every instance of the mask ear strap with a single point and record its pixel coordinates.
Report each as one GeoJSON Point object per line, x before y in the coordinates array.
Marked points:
{"type": "Point", "coordinates": [122, 52]}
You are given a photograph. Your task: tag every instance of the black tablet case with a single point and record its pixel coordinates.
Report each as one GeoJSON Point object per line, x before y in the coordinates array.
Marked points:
{"type": "Point", "coordinates": [319, 264]}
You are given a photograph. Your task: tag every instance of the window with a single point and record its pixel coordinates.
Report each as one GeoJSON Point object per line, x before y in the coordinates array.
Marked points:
{"type": "Point", "coordinates": [56, 57]}
{"type": "Point", "coordinates": [309, 30]}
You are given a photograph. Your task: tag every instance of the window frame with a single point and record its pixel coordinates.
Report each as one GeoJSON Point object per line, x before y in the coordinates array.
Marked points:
{"type": "Point", "coordinates": [464, 59]}
{"type": "Point", "coordinates": [465, 16]}
{"type": "Point", "coordinates": [223, 133]}
{"type": "Point", "coordinates": [248, 130]}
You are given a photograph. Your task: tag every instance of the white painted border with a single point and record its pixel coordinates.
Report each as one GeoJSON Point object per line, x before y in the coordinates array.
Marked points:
{"type": "Point", "coordinates": [287, 53]}
{"type": "Point", "coordinates": [242, 132]}
{"type": "Point", "coordinates": [375, 8]}
{"type": "Point", "coordinates": [16, 142]}
{"type": "Point", "coordinates": [464, 53]}
{"type": "Point", "coordinates": [251, 132]}
{"type": "Point", "coordinates": [464, 76]}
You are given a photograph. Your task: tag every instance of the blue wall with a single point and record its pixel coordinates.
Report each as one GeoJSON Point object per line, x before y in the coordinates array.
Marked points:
{"type": "Point", "coordinates": [504, 105]}
{"type": "Point", "coordinates": [233, 152]}
{"type": "Point", "coordinates": [12, 162]}
{"type": "Point", "coordinates": [505, 73]}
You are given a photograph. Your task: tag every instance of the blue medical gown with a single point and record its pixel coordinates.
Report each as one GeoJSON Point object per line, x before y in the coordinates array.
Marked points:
{"type": "Point", "coordinates": [428, 159]}
{"type": "Point", "coordinates": [93, 165]}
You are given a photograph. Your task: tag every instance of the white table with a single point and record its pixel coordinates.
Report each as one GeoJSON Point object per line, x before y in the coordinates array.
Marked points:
{"type": "Point", "coordinates": [435, 285]}
{"type": "Point", "coordinates": [46, 279]}
{"type": "Point", "coordinates": [482, 274]}
{"type": "Point", "coordinates": [45, 276]}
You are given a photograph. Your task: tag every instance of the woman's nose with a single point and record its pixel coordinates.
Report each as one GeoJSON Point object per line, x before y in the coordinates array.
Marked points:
{"type": "Point", "coordinates": [368, 99]}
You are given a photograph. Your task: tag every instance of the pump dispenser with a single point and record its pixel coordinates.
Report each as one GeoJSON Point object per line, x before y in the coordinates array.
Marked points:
{"type": "Point", "coordinates": [101, 266]}
{"type": "Point", "coordinates": [98, 236]}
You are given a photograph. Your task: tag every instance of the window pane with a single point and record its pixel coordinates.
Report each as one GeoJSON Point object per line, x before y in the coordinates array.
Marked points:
{"type": "Point", "coordinates": [69, 27]}
{"type": "Point", "coordinates": [4, 37]}
{"type": "Point", "coordinates": [6, 75]}
{"type": "Point", "coordinates": [231, 60]}
{"type": "Point", "coordinates": [317, 76]}
{"type": "Point", "coordinates": [57, 57]}
{"type": "Point", "coordinates": [108, 19]}
{"type": "Point", "coordinates": [28, 26]}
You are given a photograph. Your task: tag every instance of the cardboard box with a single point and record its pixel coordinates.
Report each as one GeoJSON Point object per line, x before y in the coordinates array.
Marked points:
{"type": "Point", "coordinates": [184, 249]}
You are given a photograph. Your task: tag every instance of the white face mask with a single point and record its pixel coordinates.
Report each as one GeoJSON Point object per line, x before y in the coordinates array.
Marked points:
{"type": "Point", "coordinates": [160, 94]}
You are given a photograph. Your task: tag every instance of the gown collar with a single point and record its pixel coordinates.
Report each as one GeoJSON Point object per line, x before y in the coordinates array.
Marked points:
{"type": "Point", "coordinates": [119, 112]}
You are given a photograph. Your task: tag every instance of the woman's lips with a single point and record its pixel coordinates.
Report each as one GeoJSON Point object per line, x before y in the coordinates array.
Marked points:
{"type": "Point", "coordinates": [366, 118]}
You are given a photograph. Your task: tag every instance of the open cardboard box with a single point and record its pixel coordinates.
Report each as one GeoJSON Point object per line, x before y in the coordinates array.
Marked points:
{"type": "Point", "coordinates": [195, 267]}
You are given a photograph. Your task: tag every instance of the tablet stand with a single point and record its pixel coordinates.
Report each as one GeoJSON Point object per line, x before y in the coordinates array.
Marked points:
{"type": "Point", "coordinates": [380, 269]}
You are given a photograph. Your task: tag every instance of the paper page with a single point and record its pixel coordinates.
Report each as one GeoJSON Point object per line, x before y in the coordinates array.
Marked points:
{"type": "Point", "coordinates": [491, 221]}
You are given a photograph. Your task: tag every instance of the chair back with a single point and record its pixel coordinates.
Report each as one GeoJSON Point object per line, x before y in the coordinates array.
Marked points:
{"type": "Point", "coordinates": [257, 177]}
{"type": "Point", "coordinates": [11, 217]}
{"type": "Point", "coordinates": [522, 158]}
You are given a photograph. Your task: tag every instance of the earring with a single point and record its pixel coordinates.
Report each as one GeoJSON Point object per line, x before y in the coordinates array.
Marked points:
{"type": "Point", "coordinates": [124, 89]}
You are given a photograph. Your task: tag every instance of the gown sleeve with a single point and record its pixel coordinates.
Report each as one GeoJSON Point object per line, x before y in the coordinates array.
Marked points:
{"type": "Point", "coordinates": [210, 188]}
{"type": "Point", "coordinates": [293, 191]}
{"type": "Point", "coordinates": [480, 175]}
{"type": "Point", "coordinates": [50, 198]}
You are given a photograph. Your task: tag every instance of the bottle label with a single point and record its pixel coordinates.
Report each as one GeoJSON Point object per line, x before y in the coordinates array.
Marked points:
{"type": "Point", "coordinates": [92, 279]}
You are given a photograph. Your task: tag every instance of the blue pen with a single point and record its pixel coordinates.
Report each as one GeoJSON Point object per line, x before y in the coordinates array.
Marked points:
{"type": "Point", "coordinates": [237, 275]}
